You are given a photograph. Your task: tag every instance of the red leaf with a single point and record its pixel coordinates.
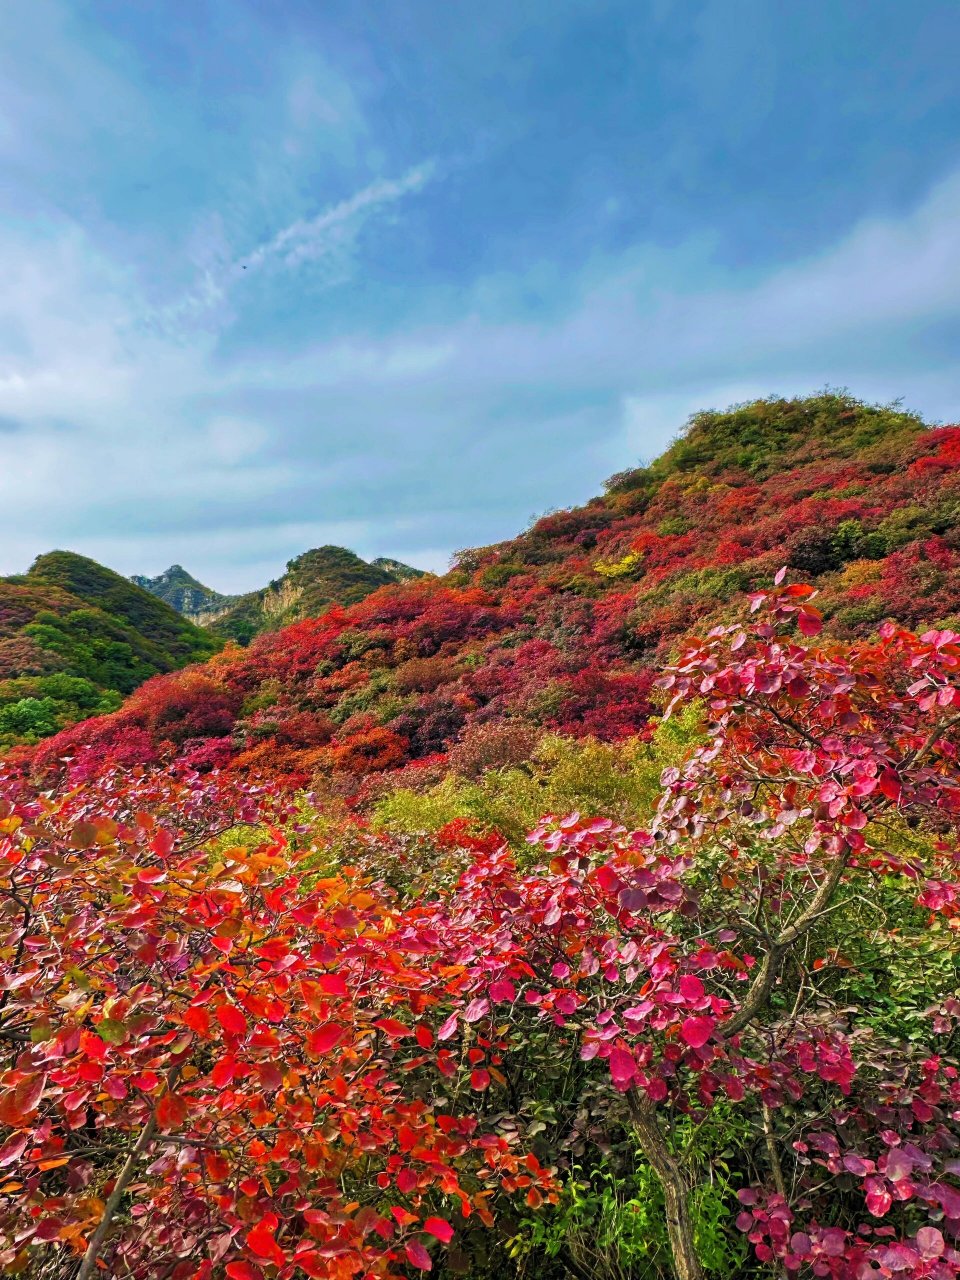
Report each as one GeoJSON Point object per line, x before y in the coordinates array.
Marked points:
{"type": "Point", "coordinates": [393, 1028]}
{"type": "Point", "coordinates": [243, 1271]}
{"type": "Point", "coordinates": [440, 1228]}
{"type": "Point", "coordinates": [325, 1038]}
{"type": "Point", "coordinates": [223, 1072]}
{"type": "Point", "coordinates": [197, 1020]}
{"type": "Point", "coordinates": [171, 1111]}
{"type": "Point", "coordinates": [231, 1019]}
{"type": "Point", "coordinates": [480, 1079]}
{"type": "Point", "coordinates": [260, 1240]}
{"type": "Point", "coordinates": [332, 984]}
{"type": "Point", "coordinates": [418, 1256]}
{"type": "Point", "coordinates": [890, 785]}
{"type": "Point", "coordinates": [809, 621]}
{"type": "Point", "coordinates": [697, 1031]}
{"type": "Point", "coordinates": [151, 875]}
{"type": "Point", "coordinates": [424, 1036]}
{"type": "Point", "coordinates": [313, 1263]}
{"type": "Point", "coordinates": [878, 1196]}
{"type": "Point", "coordinates": [28, 1093]}
{"type": "Point", "coordinates": [162, 843]}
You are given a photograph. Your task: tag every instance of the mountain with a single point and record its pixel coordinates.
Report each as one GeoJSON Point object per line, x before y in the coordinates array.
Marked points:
{"type": "Point", "coordinates": [185, 594]}
{"type": "Point", "coordinates": [562, 629]}
{"type": "Point", "coordinates": [75, 638]}
{"type": "Point", "coordinates": [399, 571]}
{"type": "Point", "coordinates": [312, 583]}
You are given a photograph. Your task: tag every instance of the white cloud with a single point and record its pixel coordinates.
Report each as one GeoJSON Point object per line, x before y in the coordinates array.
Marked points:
{"type": "Point", "coordinates": [142, 447]}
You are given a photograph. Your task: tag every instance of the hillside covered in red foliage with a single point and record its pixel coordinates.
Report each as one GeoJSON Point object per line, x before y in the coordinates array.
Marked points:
{"type": "Point", "coordinates": [563, 628]}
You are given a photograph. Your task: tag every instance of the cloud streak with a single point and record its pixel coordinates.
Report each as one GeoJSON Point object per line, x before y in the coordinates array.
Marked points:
{"type": "Point", "coordinates": [310, 239]}
{"type": "Point", "coordinates": [328, 237]}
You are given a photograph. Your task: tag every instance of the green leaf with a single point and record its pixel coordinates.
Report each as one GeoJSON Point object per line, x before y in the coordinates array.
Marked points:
{"type": "Point", "coordinates": [112, 1031]}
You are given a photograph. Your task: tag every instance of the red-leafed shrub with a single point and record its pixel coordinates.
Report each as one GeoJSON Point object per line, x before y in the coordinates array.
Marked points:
{"type": "Point", "coordinates": [369, 751]}
{"type": "Point", "coordinates": [230, 1060]}
{"type": "Point", "coordinates": [492, 745]}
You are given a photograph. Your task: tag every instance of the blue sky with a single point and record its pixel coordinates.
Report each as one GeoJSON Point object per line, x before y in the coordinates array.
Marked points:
{"type": "Point", "coordinates": [401, 275]}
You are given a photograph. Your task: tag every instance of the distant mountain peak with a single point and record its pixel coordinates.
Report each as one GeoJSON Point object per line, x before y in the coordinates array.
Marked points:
{"type": "Point", "coordinates": [402, 572]}
{"type": "Point", "coordinates": [313, 582]}
{"type": "Point", "coordinates": [185, 593]}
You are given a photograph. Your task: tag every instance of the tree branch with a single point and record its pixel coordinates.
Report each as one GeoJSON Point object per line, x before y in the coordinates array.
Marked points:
{"type": "Point", "coordinates": [89, 1264]}
{"type": "Point", "coordinates": [769, 970]}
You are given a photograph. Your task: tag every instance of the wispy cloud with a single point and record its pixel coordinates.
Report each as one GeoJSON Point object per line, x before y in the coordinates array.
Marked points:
{"type": "Point", "coordinates": [440, 435]}
{"type": "Point", "coordinates": [327, 238]}
{"type": "Point", "coordinates": [310, 239]}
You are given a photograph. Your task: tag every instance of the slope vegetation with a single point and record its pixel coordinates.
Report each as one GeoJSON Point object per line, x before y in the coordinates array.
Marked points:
{"type": "Point", "coordinates": [561, 629]}
{"type": "Point", "coordinates": [312, 583]}
{"type": "Point", "coordinates": [75, 638]}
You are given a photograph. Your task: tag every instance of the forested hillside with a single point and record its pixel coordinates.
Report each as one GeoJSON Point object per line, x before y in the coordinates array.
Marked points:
{"type": "Point", "coordinates": [75, 638]}
{"type": "Point", "coordinates": [313, 582]}
{"type": "Point", "coordinates": [562, 629]}
{"type": "Point", "coordinates": [589, 913]}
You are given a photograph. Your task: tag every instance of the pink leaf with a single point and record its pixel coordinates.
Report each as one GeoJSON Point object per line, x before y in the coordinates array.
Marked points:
{"type": "Point", "coordinates": [930, 1242]}
{"type": "Point", "coordinates": [503, 991]}
{"type": "Point", "coordinates": [691, 988]}
{"type": "Point", "coordinates": [440, 1228]}
{"type": "Point", "coordinates": [697, 1031]}
{"type": "Point", "coordinates": [448, 1028]}
{"type": "Point", "coordinates": [418, 1256]}
{"type": "Point", "coordinates": [623, 1068]}
{"type": "Point", "coordinates": [477, 1009]}
{"type": "Point", "coordinates": [12, 1149]}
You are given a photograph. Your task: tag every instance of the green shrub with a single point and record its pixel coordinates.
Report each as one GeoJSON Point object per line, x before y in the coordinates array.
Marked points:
{"type": "Point", "coordinates": [619, 780]}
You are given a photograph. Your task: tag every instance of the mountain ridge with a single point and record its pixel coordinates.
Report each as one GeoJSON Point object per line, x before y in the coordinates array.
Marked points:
{"type": "Point", "coordinates": [75, 638]}
{"type": "Point", "coordinates": [183, 592]}
{"type": "Point", "coordinates": [562, 629]}
{"type": "Point", "coordinates": [313, 581]}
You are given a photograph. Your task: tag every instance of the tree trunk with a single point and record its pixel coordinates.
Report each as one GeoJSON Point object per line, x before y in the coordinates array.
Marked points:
{"type": "Point", "coordinates": [676, 1188]}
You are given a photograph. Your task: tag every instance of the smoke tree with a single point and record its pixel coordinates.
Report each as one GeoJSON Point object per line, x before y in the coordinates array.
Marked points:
{"type": "Point", "coordinates": [220, 1062]}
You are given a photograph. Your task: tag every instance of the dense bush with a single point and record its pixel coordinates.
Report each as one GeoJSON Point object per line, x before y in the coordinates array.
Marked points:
{"type": "Point", "coordinates": [250, 1040]}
